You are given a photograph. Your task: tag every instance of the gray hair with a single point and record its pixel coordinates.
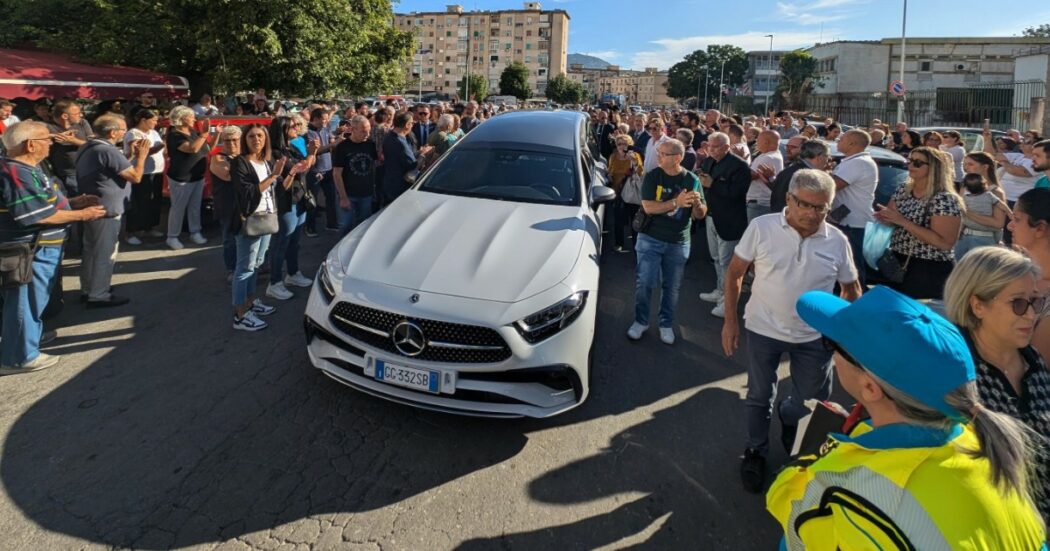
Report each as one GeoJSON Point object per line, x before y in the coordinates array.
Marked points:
{"type": "Point", "coordinates": [1005, 442]}
{"type": "Point", "coordinates": [445, 122]}
{"type": "Point", "coordinates": [677, 145]}
{"type": "Point", "coordinates": [684, 135]}
{"type": "Point", "coordinates": [720, 137]}
{"type": "Point", "coordinates": [230, 132]}
{"type": "Point", "coordinates": [983, 273]}
{"type": "Point", "coordinates": [813, 180]}
{"type": "Point", "coordinates": [18, 133]}
{"type": "Point", "coordinates": [811, 149]}
{"type": "Point", "coordinates": [104, 125]}
{"type": "Point", "coordinates": [358, 120]}
{"type": "Point", "coordinates": [179, 114]}
{"type": "Point", "coordinates": [623, 127]}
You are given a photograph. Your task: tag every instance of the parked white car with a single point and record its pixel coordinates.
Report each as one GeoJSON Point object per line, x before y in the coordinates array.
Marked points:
{"type": "Point", "coordinates": [475, 292]}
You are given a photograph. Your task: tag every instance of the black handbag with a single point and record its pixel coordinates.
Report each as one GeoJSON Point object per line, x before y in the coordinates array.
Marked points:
{"type": "Point", "coordinates": [16, 263]}
{"type": "Point", "coordinates": [641, 221]}
{"type": "Point", "coordinates": [891, 268]}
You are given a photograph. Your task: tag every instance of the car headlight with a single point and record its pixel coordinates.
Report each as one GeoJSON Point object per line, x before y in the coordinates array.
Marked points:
{"type": "Point", "coordinates": [550, 321]}
{"type": "Point", "coordinates": [327, 288]}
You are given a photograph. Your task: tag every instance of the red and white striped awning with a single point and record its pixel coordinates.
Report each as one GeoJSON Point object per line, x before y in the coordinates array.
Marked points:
{"type": "Point", "coordinates": [34, 74]}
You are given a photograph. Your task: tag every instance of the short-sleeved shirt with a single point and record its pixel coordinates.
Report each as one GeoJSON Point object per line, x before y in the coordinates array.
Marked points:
{"type": "Point", "coordinates": [63, 157]}
{"type": "Point", "coordinates": [1043, 182]}
{"type": "Point", "coordinates": [672, 227]}
{"type": "Point", "coordinates": [1015, 186]}
{"type": "Point", "coordinates": [983, 203]}
{"type": "Point", "coordinates": [862, 175]}
{"type": "Point", "coordinates": [99, 166]}
{"type": "Point", "coordinates": [958, 153]}
{"type": "Point", "coordinates": [155, 162]}
{"type": "Point", "coordinates": [941, 204]}
{"type": "Point", "coordinates": [185, 167]}
{"type": "Point", "coordinates": [323, 137]}
{"type": "Point", "coordinates": [759, 192]}
{"type": "Point", "coordinates": [787, 265]}
{"type": "Point", "coordinates": [29, 196]}
{"type": "Point", "coordinates": [358, 161]}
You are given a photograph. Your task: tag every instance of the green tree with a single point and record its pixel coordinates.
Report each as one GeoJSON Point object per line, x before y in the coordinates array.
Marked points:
{"type": "Point", "coordinates": [798, 78]}
{"type": "Point", "coordinates": [479, 87]}
{"type": "Point", "coordinates": [687, 77]}
{"type": "Point", "coordinates": [561, 89]}
{"type": "Point", "coordinates": [1041, 31]}
{"type": "Point", "coordinates": [314, 47]}
{"type": "Point", "coordinates": [515, 81]}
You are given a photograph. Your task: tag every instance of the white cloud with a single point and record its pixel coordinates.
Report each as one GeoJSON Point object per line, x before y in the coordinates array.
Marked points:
{"type": "Point", "coordinates": [673, 50]}
{"type": "Point", "coordinates": [817, 11]}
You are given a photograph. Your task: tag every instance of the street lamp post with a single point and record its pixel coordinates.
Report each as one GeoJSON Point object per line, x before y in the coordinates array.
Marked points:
{"type": "Point", "coordinates": [698, 88]}
{"type": "Point", "coordinates": [904, 26]}
{"type": "Point", "coordinates": [769, 76]}
{"type": "Point", "coordinates": [721, 80]}
{"type": "Point", "coordinates": [707, 79]}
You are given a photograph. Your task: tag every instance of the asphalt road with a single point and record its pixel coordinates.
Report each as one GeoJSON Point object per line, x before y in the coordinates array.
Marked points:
{"type": "Point", "coordinates": [163, 427]}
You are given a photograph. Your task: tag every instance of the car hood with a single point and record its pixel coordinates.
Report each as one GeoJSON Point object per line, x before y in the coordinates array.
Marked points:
{"type": "Point", "coordinates": [475, 248]}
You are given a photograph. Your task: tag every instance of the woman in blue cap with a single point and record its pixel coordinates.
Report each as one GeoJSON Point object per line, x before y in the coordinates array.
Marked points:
{"type": "Point", "coordinates": [931, 469]}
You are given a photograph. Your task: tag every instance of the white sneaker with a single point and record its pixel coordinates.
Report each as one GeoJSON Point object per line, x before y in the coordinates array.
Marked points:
{"type": "Point", "coordinates": [249, 322]}
{"type": "Point", "coordinates": [713, 296]}
{"type": "Point", "coordinates": [198, 238]}
{"type": "Point", "coordinates": [667, 335]}
{"type": "Point", "coordinates": [174, 243]}
{"type": "Point", "coordinates": [156, 233]}
{"type": "Point", "coordinates": [720, 310]}
{"type": "Point", "coordinates": [260, 309]}
{"type": "Point", "coordinates": [636, 331]}
{"type": "Point", "coordinates": [298, 280]}
{"type": "Point", "coordinates": [132, 240]}
{"type": "Point", "coordinates": [278, 291]}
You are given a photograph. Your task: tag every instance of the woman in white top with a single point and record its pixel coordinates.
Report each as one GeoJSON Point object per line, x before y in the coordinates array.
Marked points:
{"type": "Point", "coordinates": [253, 176]}
{"type": "Point", "coordinates": [144, 208]}
{"type": "Point", "coordinates": [952, 144]}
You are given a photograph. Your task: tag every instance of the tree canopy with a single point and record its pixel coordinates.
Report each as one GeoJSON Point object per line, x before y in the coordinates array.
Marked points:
{"type": "Point", "coordinates": [479, 87]}
{"type": "Point", "coordinates": [798, 78]}
{"type": "Point", "coordinates": [1041, 31]}
{"type": "Point", "coordinates": [561, 89]}
{"type": "Point", "coordinates": [515, 81]}
{"type": "Point", "coordinates": [311, 47]}
{"type": "Point", "coordinates": [687, 77]}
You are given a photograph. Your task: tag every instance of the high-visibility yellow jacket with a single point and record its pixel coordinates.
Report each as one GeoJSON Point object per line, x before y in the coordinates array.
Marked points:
{"type": "Point", "coordinates": [900, 487]}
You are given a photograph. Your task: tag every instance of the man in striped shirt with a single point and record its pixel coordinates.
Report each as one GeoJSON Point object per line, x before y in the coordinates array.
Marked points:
{"type": "Point", "coordinates": [33, 209]}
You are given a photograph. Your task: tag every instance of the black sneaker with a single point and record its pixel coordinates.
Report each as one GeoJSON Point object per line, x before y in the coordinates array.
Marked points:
{"type": "Point", "coordinates": [310, 232]}
{"type": "Point", "coordinates": [753, 471]}
{"type": "Point", "coordinates": [787, 433]}
{"type": "Point", "coordinates": [114, 300]}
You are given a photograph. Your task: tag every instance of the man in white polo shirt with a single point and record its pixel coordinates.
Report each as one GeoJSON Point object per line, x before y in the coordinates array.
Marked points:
{"type": "Point", "coordinates": [856, 178]}
{"type": "Point", "coordinates": [792, 252]}
{"type": "Point", "coordinates": [764, 169]}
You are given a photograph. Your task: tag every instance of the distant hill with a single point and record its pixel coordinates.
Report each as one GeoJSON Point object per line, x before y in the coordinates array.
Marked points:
{"type": "Point", "coordinates": [588, 61]}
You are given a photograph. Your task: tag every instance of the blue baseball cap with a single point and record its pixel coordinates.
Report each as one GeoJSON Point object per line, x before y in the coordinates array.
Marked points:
{"type": "Point", "coordinates": [899, 340]}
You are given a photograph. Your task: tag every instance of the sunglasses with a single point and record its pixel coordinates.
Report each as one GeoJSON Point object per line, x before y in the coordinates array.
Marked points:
{"type": "Point", "coordinates": [832, 346]}
{"type": "Point", "coordinates": [1020, 305]}
{"type": "Point", "coordinates": [918, 163]}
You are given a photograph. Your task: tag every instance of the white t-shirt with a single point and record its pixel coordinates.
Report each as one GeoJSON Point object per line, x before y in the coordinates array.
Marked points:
{"type": "Point", "coordinates": [1015, 186]}
{"type": "Point", "coordinates": [11, 120]}
{"type": "Point", "coordinates": [740, 150]}
{"type": "Point", "coordinates": [266, 204]}
{"type": "Point", "coordinates": [209, 111]}
{"type": "Point", "coordinates": [759, 191]}
{"type": "Point", "coordinates": [958, 153]}
{"type": "Point", "coordinates": [155, 162]}
{"type": "Point", "coordinates": [862, 175]}
{"type": "Point", "coordinates": [652, 158]}
{"type": "Point", "coordinates": [786, 265]}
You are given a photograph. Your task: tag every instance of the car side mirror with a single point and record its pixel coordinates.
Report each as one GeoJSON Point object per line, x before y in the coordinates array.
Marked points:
{"type": "Point", "coordinates": [599, 194]}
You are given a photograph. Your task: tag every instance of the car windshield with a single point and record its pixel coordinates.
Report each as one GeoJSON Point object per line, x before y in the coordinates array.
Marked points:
{"type": "Point", "coordinates": [891, 177]}
{"type": "Point", "coordinates": [506, 175]}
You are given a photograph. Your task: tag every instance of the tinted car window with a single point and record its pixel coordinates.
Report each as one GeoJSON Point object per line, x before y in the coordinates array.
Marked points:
{"type": "Point", "coordinates": [891, 177]}
{"type": "Point", "coordinates": [524, 176]}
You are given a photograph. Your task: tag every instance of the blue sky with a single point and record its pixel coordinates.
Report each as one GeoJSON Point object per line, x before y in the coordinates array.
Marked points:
{"type": "Point", "coordinates": [658, 33]}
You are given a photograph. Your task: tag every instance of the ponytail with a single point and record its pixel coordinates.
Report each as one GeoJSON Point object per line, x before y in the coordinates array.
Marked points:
{"type": "Point", "coordinates": [1005, 442]}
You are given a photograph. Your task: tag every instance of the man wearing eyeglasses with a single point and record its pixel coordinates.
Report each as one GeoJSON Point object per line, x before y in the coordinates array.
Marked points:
{"type": "Point", "coordinates": [792, 252]}
{"type": "Point", "coordinates": [726, 179]}
{"type": "Point", "coordinates": [35, 210]}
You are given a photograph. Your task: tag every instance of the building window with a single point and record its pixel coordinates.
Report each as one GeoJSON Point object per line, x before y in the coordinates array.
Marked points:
{"type": "Point", "coordinates": [528, 46]}
{"type": "Point", "coordinates": [542, 72]}
{"type": "Point", "coordinates": [528, 59]}
{"type": "Point", "coordinates": [448, 33]}
{"type": "Point", "coordinates": [493, 58]}
{"type": "Point", "coordinates": [925, 66]}
{"type": "Point", "coordinates": [506, 46]}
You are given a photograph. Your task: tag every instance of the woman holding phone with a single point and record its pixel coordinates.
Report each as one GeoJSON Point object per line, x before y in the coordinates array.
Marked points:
{"type": "Point", "coordinates": [284, 245]}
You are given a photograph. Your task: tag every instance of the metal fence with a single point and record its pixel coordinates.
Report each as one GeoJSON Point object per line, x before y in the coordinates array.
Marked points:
{"type": "Point", "coordinates": [1006, 105]}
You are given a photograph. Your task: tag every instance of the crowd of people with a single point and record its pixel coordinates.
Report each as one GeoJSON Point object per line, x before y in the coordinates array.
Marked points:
{"type": "Point", "coordinates": [957, 402]}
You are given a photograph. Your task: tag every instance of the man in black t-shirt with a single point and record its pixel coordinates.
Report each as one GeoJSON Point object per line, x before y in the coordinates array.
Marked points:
{"type": "Point", "coordinates": [354, 170]}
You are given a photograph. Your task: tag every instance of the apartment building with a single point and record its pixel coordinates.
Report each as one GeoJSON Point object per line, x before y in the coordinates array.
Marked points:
{"type": "Point", "coordinates": [455, 42]}
{"type": "Point", "coordinates": [647, 87]}
{"type": "Point", "coordinates": [763, 75]}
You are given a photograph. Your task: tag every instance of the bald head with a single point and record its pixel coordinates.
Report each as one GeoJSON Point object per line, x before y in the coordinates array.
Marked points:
{"type": "Point", "coordinates": [768, 141]}
{"type": "Point", "coordinates": [854, 141]}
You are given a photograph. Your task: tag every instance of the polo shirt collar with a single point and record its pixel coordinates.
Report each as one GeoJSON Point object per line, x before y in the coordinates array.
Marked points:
{"type": "Point", "coordinates": [855, 155]}
{"type": "Point", "coordinates": [902, 435]}
{"type": "Point", "coordinates": [821, 232]}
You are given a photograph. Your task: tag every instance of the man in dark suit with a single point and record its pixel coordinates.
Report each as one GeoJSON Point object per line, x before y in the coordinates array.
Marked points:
{"type": "Point", "coordinates": [423, 126]}
{"type": "Point", "coordinates": [639, 134]}
{"type": "Point", "coordinates": [810, 154]}
{"type": "Point", "coordinates": [726, 179]}
{"type": "Point", "coordinates": [602, 131]}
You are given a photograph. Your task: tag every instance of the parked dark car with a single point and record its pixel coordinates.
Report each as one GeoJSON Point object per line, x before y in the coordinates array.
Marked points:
{"type": "Point", "coordinates": [893, 169]}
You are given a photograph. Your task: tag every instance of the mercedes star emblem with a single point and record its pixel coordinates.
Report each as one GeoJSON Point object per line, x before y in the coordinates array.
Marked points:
{"type": "Point", "coordinates": [409, 339]}
{"type": "Point", "coordinates": [414, 298]}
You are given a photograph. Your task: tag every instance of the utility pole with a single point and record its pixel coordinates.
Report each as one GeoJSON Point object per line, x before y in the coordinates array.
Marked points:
{"type": "Point", "coordinates": [904, 27]}
{"type": "Point", "coordinates": [707, 79]}
{"type": "Point", "coordinates": [698, 88]}
{"type": "Point", "coordinates": [721, 79]}
{"type": "Point", "coordinates": [769, 77]}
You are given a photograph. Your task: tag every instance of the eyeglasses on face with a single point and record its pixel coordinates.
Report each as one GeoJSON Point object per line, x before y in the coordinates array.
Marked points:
{"type": "Point", "coordinates": [819, 209]}
{"type": "Point", "coordinates": [918, 163]}
{"type": "Point", "coordinates": [668, 153]}
{"type": "Point", "coordinates": [1020, 305]}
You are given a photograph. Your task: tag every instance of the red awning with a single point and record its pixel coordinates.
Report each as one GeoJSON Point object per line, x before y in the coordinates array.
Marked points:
{"type": "Point", "coordinates": [34, 74]}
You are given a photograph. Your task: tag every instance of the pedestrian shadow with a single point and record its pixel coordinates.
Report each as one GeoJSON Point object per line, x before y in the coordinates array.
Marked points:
{"type": "Point", "coordinates": [686, 477]}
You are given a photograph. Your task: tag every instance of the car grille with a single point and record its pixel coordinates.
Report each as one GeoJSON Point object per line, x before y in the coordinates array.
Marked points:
{"type": "Point", "coordinates": [446, 342]}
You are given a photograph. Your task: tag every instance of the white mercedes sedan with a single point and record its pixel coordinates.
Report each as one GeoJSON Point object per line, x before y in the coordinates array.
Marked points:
{"type": "Point", "coordinates": [475, 292]}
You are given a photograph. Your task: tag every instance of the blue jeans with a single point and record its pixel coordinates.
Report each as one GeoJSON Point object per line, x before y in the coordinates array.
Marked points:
{"type": "Point", "coordinates": [284, 245]}
{"type": "Point", "coordinates": [658, 262]}
{"type": "Point", "coordinates": [810, 379]}
{"type": "Point", "coordinates": [721, 252]}
{"type": "Point", "coordinates": [229, 246]}
{"type": "Point", "coordinates": [359, 211]}
{"type": "Point", "coordinates": [23, 308]}
{"type": "Point", "coordinates": [966, 243]}
{"type": "Point", "coordinates": [326, 183]}
{"type": "Point", "coordinates": [250, 254]}
{"type": "Point", "coordinates": [754, 210]}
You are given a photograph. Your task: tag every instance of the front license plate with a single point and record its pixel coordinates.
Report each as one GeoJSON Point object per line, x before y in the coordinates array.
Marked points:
{"type": "Point", "coordinates": [408, 377]}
